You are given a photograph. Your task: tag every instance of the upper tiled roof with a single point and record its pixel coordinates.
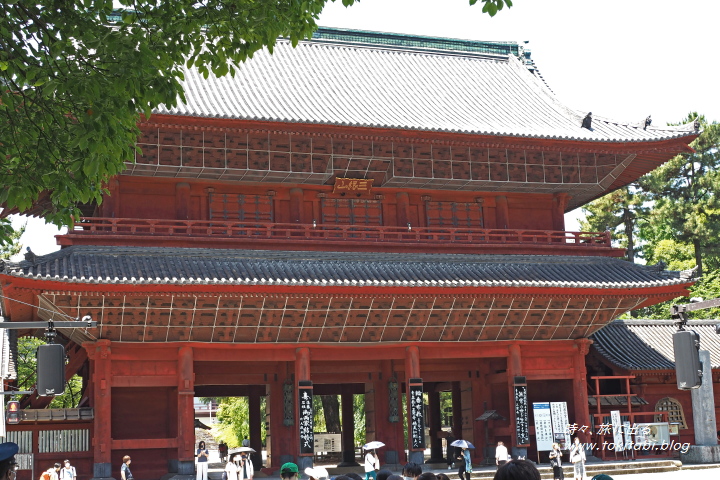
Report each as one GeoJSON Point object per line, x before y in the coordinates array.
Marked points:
{"type": "Point", "coordinates": [647, 344]}
{"type": "Point", "coordinates": [404, 85]}
{"type": "Point", "coordinates": [183, 266]}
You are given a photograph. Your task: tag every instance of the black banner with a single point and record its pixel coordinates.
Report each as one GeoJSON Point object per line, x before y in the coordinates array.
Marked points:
{"type": "Point", "coordinates": [417, 414]}
{"type": "Point", "coordinates": [305, 416]}
{"type": "Point", "coordinates": [522, 430]}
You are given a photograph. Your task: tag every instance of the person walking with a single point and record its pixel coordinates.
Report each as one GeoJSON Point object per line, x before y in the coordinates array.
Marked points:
{"type": "Point", "coordinates": [202, 455]}
{"type": "Point", "coordinates": [51, 473]}
{"type": "Point", "coordinates": [223, 451]}
{"type": "Point", "coordinates": [577, 458]}
{"type": "Point", "coordinates": [372, 464]}
{"type": "Point", "coordinates": [289, 471]}
{"type": "Point", "coordinates": [68, 471]}
{"type": "Point", "coordinates": [125, 472]}
{"type": "Point", "coordinates": [556, 462]}
{"type": "Point", "coordinates": [465, 465]}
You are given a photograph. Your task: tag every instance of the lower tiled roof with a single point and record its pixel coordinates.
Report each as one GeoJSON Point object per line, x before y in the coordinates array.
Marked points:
{"type": "Point", "coordinates": [182, 266]}
{"type": "Point", "coordinates": [647, 344]}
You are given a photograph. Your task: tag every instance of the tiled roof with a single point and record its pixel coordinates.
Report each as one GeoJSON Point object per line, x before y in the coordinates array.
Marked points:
{"type": "Point", "coordinates": [183, 266]}
{"type": "Point", "coordinates": [359, 83]}
{"type": "Point", "coordinates": [647, 344]}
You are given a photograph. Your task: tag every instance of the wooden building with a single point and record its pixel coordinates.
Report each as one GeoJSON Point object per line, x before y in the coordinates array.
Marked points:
{"type": "Point", "coordinates": [343, 217]}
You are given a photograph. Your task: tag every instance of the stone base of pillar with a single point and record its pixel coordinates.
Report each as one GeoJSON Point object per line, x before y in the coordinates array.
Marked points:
{"type": "Point", "coordinates": [303, 463]}
{"type": "Point", "coordinates": [185, 470]}
{"type": "Point", "coordinates": [102, 471]}
{"type": "Point", "coordinates": [701, 454]}
{"type": "Point", "coordinates": [416, 457]}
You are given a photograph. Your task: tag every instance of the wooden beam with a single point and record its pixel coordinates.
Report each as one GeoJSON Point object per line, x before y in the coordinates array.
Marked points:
{"type": "Point", "coordinates": [144, 381]}
{"type": "Point", "coordinates": [145, 444]}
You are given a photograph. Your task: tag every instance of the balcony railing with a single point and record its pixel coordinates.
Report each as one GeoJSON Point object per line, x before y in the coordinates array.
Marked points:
{"type": "Point", "coordinates": [204, 232]}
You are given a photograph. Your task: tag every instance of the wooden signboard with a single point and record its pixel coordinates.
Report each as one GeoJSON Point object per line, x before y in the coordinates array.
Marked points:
{"type": "Point", "coordinates": [417, 418]}
{"type": "Point", "coordinates": [353, 185]}
{"type": "Point", "coordinates": [305, 416]}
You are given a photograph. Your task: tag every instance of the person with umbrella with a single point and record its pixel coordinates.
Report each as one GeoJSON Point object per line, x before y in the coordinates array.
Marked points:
{"type": "Point", "coordinates": [372, 462]}
{"type": "Point", "coordinates": [245, 466]}
{"type": "Point", "coordinates": [465, 463]}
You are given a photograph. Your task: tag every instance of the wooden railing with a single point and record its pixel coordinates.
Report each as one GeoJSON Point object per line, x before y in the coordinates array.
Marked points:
{"type": "Point", "coordinates": [217, 229]}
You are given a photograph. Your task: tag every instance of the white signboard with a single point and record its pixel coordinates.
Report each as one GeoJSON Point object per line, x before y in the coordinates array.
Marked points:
{"type": "Point", "coordinates": [543, 426]}
{"type": "Point", "coordinates": [560, 423]}
{"type": "Point", "coordinates": [617, 429]}
{"type": "Point", "coordinates": [628, 435]}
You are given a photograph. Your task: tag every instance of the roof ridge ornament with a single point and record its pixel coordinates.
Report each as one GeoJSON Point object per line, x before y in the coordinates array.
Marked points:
{"type": "Point", "coordinates": [587, 121]}
{"type": "Point", "coordinates": [648, 121]}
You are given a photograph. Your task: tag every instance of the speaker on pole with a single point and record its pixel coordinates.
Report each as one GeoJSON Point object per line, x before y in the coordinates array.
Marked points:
{"type": "Point", "coordinates": [50, 370]}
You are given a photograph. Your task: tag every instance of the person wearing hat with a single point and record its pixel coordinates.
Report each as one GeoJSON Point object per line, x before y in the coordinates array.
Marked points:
{"type": "Point", "coordinates": [8, 465]}
{"type": "Point", "coordinates": [230, 472]}
{"type": "Point", "coordinates": [288, 471]}
{"type": "Point", "coordinates": [316, 473]}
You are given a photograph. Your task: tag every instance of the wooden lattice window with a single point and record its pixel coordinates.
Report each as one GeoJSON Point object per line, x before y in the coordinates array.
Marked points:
{"type": "Point", "coordinates": [454, 214]}
{"type": "Point", "coordinates": [342, 211]}
{"type": "Point", "coordinates": [674, 409]}
{"type": "Point", "coordinates": [244, 208]}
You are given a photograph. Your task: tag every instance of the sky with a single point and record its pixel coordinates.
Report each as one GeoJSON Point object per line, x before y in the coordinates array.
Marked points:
{"type": "Point", "coordinates": [622, 60]}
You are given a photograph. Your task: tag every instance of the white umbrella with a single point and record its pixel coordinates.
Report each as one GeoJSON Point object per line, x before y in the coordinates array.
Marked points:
{"type": "Point", "coordinates": [462, 444]}
{"type": "Point", "coordinates": [373, 445]}
{"type": "Point", "coordinates": [246, 449]}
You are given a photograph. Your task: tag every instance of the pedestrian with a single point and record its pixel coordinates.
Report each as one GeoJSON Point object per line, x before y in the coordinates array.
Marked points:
{"type": "Point", "coordinates": [245, 467]}
{"type": "Point", "coordinates": [577, 458]}
{"type": "Point", "coordinates": [51, 473]}
{"type": "Point", "coordinates": [517, 470]}
{"type": "Point", "coordinates": [68, 471]}
{"type": "Point", "coordinates": [383, 474]}
{"type": "Point", "coordinates": [245, 442]}
{"type": "Point", "coordinates": [125, 472]}
{"type": "Point", "coordinates": [450, 451]}
{"type": "Point", "coordinates": [8, 465]}
{"type": "Point", "coordinates": [442, 476]}
{"type": "Point", "coordinates": [289, 471]}
{"type": "Point", "coordinates": [501, 454]}
{"type": "Point", "coordinates": [556, 462]}
{"type": "Point", "coordinates": [223, 450]}
{"type": "Point", "coordinates": [354, 476]}
{"type": "Point", "coordinates": [202, 462]}
{"type": "Point", "coordinates": [464, 460]}
{"type": "Point", "coordinates": [230, 472]}
{"type": "Point", "coordinates": [411, 471]}
{"type": "Point", "coordinates": [427, 476]}
{"type": "Point", "coordinates": [372, 464]}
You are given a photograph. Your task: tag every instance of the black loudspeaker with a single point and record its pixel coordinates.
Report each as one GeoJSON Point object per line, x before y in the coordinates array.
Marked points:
{"type": "Point", "coordinates": [688, 368]}
{"type": "Point", "coordinates": [50, 370]}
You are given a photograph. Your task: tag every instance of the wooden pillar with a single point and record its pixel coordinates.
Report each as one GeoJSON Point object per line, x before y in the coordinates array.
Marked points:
{"type": "Point", "coordinates": [186, 412]}
{"type": "Point", "coordinates": [255, 426]}
{"type": "Point", "coordinates": [560, 201]}
{"type": "Point", "coordinates": [435, 424]}
{"type": "Point", "coordinates": [389, 430]}
{"type": "Point", "coordinates": [501, 212]}
{"type": "Point", "coordinates": [302, 374]}
{"type": "Point", "coordinates": [281, 444]}
{"type": "Point", "coordinates": [182, 201]}
{"type": "Point", "coordinates": [457, 410]}
{"type": "Point", "coordinates": [478, 395]}
{"type": "Point", "coordinates": [111, 201]}
{"type": "Point", "coordinates": [580, 396]}
{"type": "Point", "coordinates": [412, 370]}
{"type": "Point", "coordinates": [296, 205]}
{"type": "Point", "coordinates": [484, 403]}
{"type": "Point", "coordinates": [514, 369]}
{"type": "Point", "coordinates": [100, 353]}
{"type": "Point", "coordinates": [403, 208]}
{"type": "Point", "coordinates": [348, 428]}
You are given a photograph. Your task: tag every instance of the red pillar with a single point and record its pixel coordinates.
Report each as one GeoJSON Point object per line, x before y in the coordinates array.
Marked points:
{"type": "Point", "coordinates": [182, 201]}
{"type": "Point", "coordinates": [302, 374]}
{"type": "Point", "coordinates": [281, 444]}
{"type": "Point", "coordinates": [100, 354]}
{"type": "Point", "coordinates": [435, 424]}
{"type": "Point", "coordinates": [560, 201]}
{"type": "Point", "coordinates": [186, 412]}
{"type": "Point", "coordinates": [580, 396]}
{"type": "Point", "coordinates": [296, 205]}
{"type": "Point", "coordinates": [412, 370]}
{"type": "Point", "coordinates": [403, 209]}
{"type": "Point", "coordinates": [387, 431]}
{"type": "Point", "coordinates": [514, 369]}
{"type": "Point", "coordinates": [501, 212]}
